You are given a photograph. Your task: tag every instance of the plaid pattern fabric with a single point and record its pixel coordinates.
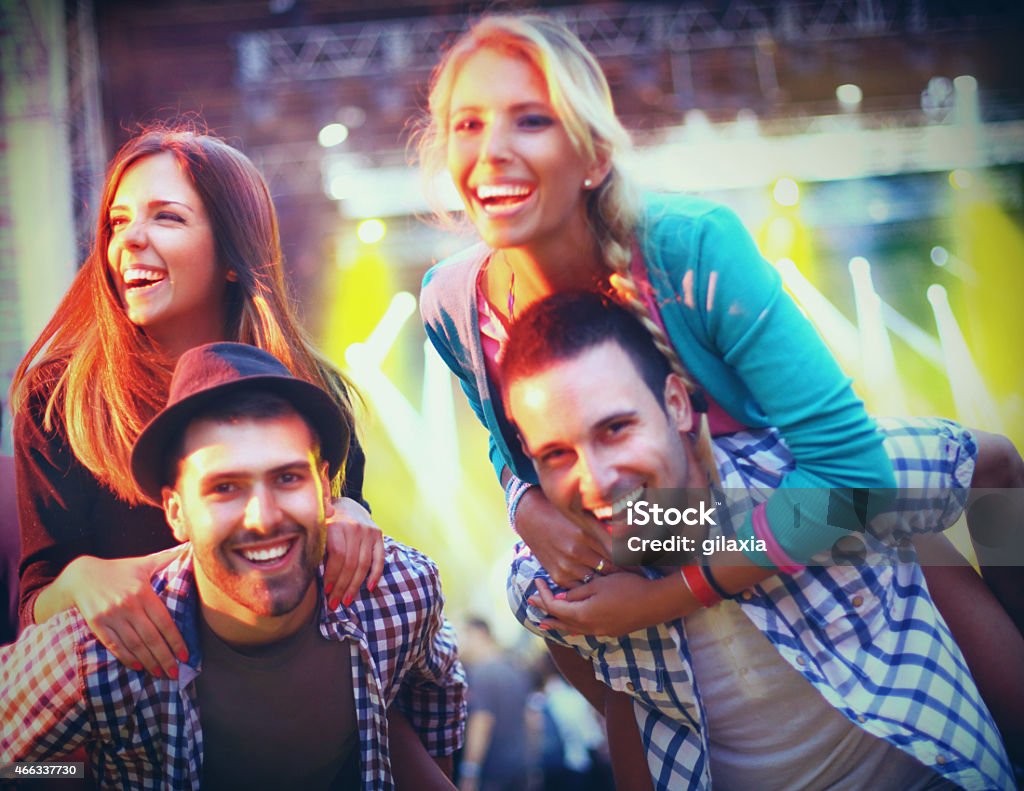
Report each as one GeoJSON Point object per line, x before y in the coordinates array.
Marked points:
{"type": "Point", "coordinates": [887, 661]}
{"type": "Point", "coordinates": [64, 689]}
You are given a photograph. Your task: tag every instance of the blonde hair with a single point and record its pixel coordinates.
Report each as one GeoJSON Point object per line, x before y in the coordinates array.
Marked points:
{"type": "Point", "coordinates": [580, 95]}
{"type": "Point", "coordinates": [115, 378]}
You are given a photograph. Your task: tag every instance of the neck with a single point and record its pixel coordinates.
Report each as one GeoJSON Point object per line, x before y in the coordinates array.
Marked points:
{"type": "Point", "coordinates": [555, 268]}
{"type": "Point", "coordinates": [241, 627]}
{"type": "Point", "coordinates": [175, 341]}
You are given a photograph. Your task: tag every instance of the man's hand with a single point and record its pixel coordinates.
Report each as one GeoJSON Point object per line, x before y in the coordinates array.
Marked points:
{"type": "Point", "coordinates": [121, 608]}
{"type": "Point", "coordinates": [568, 551]}
{"type": "Point", "coordinates": [613, 605]}
{"type": "Point", "coordinates": [355, 551]}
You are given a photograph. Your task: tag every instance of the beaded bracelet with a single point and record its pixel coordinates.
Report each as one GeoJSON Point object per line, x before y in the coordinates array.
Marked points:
{"type": "Point", "coordinates": [515, 488]}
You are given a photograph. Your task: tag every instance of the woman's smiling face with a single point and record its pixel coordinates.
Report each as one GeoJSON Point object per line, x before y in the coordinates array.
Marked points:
{"type": "Point", "coordinates": [162, 255]}
{"type": "Point", "coordinates": [518, 173]}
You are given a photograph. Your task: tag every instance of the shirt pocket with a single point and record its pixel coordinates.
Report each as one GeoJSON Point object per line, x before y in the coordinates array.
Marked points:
{"type": "Point", "coordinates": [849, 605]}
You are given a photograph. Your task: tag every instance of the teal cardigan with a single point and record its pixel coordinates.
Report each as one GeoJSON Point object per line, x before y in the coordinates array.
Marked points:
{"type": "Point", "coordinates": [739, 335]}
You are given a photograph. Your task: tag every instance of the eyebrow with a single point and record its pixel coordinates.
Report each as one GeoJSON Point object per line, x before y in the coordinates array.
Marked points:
{"type": "Point", "coordinates": [516, 108]}
{"type": "Point", "coordinates": [289, 466]}
{"type": "Point", "coordinates": [153, 204]}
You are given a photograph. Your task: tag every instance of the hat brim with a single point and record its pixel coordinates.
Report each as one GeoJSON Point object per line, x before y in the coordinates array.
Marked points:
{"type": "Point", "coordinates": [148, 461]}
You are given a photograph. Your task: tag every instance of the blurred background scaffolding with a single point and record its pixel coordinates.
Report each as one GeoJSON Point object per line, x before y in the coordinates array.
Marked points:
{"type": "Point", "coordinates": [874, 147]}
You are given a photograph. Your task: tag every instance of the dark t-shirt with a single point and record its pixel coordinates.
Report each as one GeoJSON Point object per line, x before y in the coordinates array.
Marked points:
{"type": "Point", "coordinates": [278, 716]}
{"type": "Point", "coordinates": [501, 687]}
{"type": "Point", "coordinates": [64, 512]}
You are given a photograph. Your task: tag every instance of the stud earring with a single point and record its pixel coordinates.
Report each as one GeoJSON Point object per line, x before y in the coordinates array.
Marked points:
{"type": "Point", "coordinates": [587, 183]}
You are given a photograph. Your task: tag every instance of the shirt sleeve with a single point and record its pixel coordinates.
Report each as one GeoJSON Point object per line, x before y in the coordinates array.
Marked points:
{"type": "Point", "coordinates": [55, 495]}
{"type": "Point", "coordinates": [43, 709]}
{"type": "Point", "coordinates": [735, 309]}
{"type": "Point", "coordinates": [933, 459]}
{"type": "Point", "coordinates": [433, 694]}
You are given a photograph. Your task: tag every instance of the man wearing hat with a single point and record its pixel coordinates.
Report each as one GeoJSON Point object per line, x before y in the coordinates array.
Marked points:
{"type": "Point", "coordinates": [279, 690]}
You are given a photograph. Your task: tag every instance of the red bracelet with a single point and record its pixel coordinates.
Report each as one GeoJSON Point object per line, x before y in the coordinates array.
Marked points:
{"type": "Point", "coordinates": [699, 587]}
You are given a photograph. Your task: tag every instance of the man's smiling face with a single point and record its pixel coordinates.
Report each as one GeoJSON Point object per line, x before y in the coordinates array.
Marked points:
{"type": "Point", "coordinates": [598, 436]}
{"type": "Point", "coordinates": [251, 496]}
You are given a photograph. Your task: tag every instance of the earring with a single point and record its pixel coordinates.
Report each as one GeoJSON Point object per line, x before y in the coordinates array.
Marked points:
{"type": "Point", "coordinates": [587, 183]}
{"type": "Point", "coordinates": [232, 276]}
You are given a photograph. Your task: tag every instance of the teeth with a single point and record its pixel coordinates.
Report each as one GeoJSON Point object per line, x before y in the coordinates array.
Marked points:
{"type": "Point", "coordinates": [138, 275]}
{"type": "Point", "coordinates": [607, 512]}
{"type": "Point", "coordinates": [488, 191]}
{"type": "Point", "coordinates": [266, 555]}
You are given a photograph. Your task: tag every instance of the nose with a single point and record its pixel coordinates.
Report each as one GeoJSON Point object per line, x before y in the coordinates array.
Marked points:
{"type": "Point", "coordinates": [133, 235]}
{"type": "Point", "coordinates": [262, 512]}
{"type": "Point", "coordinates": [597, 476]}
{"type": "Point", "coordinates": [496, 142]}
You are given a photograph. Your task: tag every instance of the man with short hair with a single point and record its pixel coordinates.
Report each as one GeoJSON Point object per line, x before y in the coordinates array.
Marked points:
{"type": "Point", "coordinates": [827, 676]}
{"type": "Point", "coordinates": [280, 690]}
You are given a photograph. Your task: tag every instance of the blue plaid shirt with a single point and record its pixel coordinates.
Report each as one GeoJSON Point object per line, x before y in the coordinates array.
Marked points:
{"type": "Point", "coordinates": [63, 689]}
{"type": "Point", "coordinates": [867, 637]}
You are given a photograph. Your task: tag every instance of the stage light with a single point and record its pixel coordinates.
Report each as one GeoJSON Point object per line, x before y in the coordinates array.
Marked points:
{"type": "Point", "coordinates": [961, 179]}
{"type": "Point", "coordinates": [878, 364]}
{"type": "Point", "coordinates": [371, 231]}
{"type": "Point", "coordinates": [786, 192]}
{"type": "Point", "coordinates": [878, 210]}
{"type": "Point", "coordinates": [332, 135]}
{"type": "Point", "coordinates": [340, 187]}
{"type": "Point", "coordinates": [989, 246]}
{"type": "Point", "coordinates": [974, 404]}
{"type": "Point", "coordinates": [849, 95]}
{"type": "Point", "coordinates": [965, 84]}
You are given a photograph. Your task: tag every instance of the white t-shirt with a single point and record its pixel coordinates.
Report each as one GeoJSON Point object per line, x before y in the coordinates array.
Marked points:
{"type": "Point", "coordinates": [769, 728]}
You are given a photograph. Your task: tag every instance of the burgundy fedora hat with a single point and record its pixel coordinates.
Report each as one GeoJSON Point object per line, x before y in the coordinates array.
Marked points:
{"type": "Point", "coordinates": [208, 372]}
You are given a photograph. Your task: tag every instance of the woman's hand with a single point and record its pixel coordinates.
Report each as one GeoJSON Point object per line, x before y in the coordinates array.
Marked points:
{"type": "Point", "coordinates": [121, 608]}
{"type": "Point", "coordinates": [568, 551]}
{"type": "Point", "coordinates": [613, 605]}
{"type": "Point", "coordinates": [355, 551]}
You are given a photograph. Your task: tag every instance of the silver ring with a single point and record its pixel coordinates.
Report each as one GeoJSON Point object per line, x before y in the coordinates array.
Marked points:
{"type": "Point", "coordinates": [587, 578]}
{"type": "Point", "coordinates": [599, 568]}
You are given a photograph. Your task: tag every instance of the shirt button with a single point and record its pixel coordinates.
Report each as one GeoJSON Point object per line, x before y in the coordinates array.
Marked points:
{"type": "Point", "coordinates": [630, 687]}
{"type": "Point", "coordinates": [746, 595]}
{"type": "Point", "coordinates": [857, 601]}
{"type": "Point", "coordinates": [801, 661]}
{"type": "Point", "coordinates": [941, 759]}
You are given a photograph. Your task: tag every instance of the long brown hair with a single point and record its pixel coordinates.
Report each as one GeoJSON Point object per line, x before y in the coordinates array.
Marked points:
{"type": "Point", "coordinates": [115, 379]}
{"type": "Point", "coordinates": [580, 95]}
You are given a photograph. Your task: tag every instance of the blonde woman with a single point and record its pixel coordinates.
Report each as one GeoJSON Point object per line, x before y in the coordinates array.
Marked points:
{"type": "Point", "coordinates": [521, 117]}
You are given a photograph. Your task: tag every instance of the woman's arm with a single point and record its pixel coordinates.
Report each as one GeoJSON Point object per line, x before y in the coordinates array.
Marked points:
{"type": "Point", "coordinates": [566, 550]}
{"type": "Point", "coordinates": [749, 345]}
{"type": "Point", "coordinates": [58, 503]}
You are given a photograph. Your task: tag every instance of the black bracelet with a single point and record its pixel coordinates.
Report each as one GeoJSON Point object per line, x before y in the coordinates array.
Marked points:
{"type": "Point", "coordinates": [706, 571]}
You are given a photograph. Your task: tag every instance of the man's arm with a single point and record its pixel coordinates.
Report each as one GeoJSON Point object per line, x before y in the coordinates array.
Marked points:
{"type": "Point", "coordinates": [412, 766]}
{"type": "Point", "coordinates": [479, 732]}
{"type": "Point", "coordinates": [43, 710]}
